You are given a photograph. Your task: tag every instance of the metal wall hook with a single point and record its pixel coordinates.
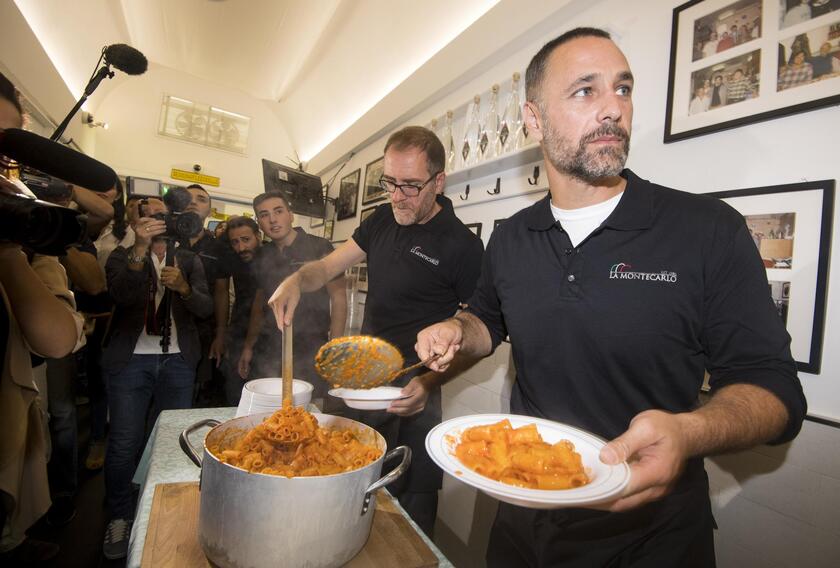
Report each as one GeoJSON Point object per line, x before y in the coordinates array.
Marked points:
{"type": "Point", "coordinates": [497, 189]}
{"type": "Point", "coordinates": [536, 176]}
{"type": "Point", "coordinates": [466, 193]}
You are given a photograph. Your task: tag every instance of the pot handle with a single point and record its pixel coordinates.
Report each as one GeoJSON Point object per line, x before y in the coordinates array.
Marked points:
{"type": "Point", "coordinates": [390, 476]}
{"type": "Point", "coordinates": [184, 439]}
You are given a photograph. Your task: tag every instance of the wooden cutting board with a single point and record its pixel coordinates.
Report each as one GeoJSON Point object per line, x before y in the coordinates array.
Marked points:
{"type": "Point", "coordinates": [172, 536]}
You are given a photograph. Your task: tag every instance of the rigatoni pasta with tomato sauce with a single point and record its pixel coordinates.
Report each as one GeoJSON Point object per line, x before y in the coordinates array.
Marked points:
{"type": "Point", "coordinates": [292, 444]}
{"type": "Point", "coordinates": [520, 457]}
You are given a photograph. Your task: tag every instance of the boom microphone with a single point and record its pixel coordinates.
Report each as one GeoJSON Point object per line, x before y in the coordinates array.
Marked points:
{"type": "Point", "coordinates": [56, 160]}
{"type": "Point", "coordinates": [126, 59]}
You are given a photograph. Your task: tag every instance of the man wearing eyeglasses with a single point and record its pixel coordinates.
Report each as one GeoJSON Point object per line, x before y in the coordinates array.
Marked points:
{"type": "Point", "coordinates": [422, 264]}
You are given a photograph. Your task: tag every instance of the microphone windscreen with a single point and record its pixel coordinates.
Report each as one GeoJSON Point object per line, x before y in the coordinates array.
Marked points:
{"type": "Point", "coordinates": [56, 160]}
{"type": "Point", "coordinates": [126, 59]}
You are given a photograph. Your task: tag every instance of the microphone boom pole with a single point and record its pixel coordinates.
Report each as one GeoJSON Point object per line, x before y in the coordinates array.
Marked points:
{"type": "Point", "coordinates": [104, 71]}
{"type": "Point", "coordinates": [123, 57]}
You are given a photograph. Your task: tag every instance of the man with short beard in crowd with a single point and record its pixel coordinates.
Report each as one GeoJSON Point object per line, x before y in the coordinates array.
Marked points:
{"type": "Point", "coordinates": [214, 256]}
{"type": "Point", "coordinates": [323, 312]}
{"type": "Point", "coordinates": [243, 234]}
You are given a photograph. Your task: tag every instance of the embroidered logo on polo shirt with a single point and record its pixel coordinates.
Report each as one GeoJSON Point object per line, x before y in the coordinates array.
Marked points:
{"type": "Point", "coordinates": [418, 251]}
{"type": "Point", "coordinates": [621, 271]}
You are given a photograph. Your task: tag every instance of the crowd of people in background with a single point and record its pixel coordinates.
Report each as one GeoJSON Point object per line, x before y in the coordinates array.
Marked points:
{"type": "Point", "coordinates": [112, 295]}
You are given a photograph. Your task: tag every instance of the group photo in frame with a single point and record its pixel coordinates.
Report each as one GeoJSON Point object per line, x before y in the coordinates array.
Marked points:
{"type": "Point", "coordinates": [737, 62]}
{"type": "Point", "coordinates": [348, 196]}
{"type": "Point", "coordinates": [373, 191]}
{"type": "Point", "coordinates": [791, 226]}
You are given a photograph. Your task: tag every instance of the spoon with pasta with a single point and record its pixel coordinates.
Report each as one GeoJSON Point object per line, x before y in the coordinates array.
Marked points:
{"type": "Point", "coordinates": [361, 362]}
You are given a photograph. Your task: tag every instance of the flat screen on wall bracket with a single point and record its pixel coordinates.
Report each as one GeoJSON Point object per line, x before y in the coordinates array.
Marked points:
{"type": "Point", "coordinates": [303, 190]}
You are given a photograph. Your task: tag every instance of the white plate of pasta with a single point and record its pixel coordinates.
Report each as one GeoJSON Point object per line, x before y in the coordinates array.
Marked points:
{"type": "Point", "coordinates": [600, 483]}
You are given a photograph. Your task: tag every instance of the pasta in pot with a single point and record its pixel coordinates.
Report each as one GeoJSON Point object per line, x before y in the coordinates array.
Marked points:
{"type": "Point", "coordinates": [520, 457]}
{"type": "Point", "coordinates": [292, 444]}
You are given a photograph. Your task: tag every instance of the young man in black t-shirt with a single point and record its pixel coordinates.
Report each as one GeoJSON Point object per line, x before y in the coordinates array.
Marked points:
{"type": "Point", "coordinates": [243, 235]}
{"type": "Point", "coordinates": [422, 264]}
{"type": "Point", "coordinates": [323, 312]}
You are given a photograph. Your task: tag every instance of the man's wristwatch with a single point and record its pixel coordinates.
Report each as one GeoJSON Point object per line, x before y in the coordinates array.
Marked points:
{"type": "Point", "coordinates": [134, 258]}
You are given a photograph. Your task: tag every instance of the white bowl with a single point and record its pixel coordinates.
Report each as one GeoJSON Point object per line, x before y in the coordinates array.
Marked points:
{"type": "Point", "coordinates": [266, 395]}
{"type": "Point", "coordinates": [378, 398]}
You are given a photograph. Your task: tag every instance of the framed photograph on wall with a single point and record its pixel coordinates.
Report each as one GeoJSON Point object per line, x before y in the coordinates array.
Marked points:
{"type": "Point", "coordinates": [373, 191]}
{"type": "Point", "coordinates": [348, 196]}
{"type": "Point", "coordinates": [475, 228]}
{"type": "Point", "coordinates": [791, 226]}
{"type": "Point", "coordinates": [366, 213]}
{"type": "Point", "coordinates": [737, 62]}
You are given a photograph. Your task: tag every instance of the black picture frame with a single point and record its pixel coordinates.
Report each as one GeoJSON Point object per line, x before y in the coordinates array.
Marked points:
{"type": "Point", "coordinates": [366, 212]}
{"type": "Point", "coordinates": [475, 228]}
{"type": "Point", "coordinates": [765, 87]}
{"type": "Point", "coordinates": [805, 292]}
{"type": "Point", "coordinates": [373, 192]}
{"type": "Point", "coordinates": [348, 196]}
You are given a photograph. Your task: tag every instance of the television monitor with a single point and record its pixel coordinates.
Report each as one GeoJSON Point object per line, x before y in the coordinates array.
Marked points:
{"type": "Point", "coordinates": [304, 191]}
{"type": "Point", "coordinates": [142, 186]}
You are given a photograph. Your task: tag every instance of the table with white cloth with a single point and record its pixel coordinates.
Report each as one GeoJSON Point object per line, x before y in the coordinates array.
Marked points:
{"type": "Point", "coordinates": [163, 461]}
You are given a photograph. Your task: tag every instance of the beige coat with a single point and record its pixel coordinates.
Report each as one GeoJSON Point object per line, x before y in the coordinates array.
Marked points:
{"type": "Point", "coordinates": [23, 468]}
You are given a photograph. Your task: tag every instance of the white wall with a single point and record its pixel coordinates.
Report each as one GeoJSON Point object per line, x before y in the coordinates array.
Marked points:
{"type": "Point", "coordinates": [132, 146]}
{"type": "Point", "coordinates": [775, 506]}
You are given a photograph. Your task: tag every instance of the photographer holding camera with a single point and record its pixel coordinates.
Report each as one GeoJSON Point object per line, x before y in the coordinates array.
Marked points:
{"type": "Point", "coordinates": [142, 368]}
{"type": "Point", "coordinates": [37, 315]}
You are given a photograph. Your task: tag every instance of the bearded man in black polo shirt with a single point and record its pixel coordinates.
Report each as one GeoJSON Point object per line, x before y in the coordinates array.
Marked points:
{"type": "Point", "coordinates": [617, 295]}
{"type": "Point", "coordinates": [323, 312]}
{"type": "Point", "coordinates": [422, 263]}
{"type": "Point", "coordinates": [243, 236]}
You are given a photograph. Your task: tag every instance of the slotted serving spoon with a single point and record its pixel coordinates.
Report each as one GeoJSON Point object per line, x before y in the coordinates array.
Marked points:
{"type": "Point", "coordinates": [361, 362]}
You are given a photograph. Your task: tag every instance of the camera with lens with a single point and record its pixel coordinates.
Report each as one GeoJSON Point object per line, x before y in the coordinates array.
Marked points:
{"type": "Point", "coordinates": [46, 169]}
{"type": "Point", "coordinates": [180, 224]}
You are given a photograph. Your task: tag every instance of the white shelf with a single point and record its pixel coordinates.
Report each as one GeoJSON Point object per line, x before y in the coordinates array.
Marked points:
{"type": "Point", "coordinates": [522, 157]}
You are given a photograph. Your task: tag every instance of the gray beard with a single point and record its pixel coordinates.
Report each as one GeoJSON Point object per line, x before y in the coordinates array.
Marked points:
{"type": "Point", "coordinates": [581, 164]}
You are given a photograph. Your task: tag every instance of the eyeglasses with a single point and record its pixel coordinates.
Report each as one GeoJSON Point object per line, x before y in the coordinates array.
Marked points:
{"type": "Point", "coordinates": [408, 189]}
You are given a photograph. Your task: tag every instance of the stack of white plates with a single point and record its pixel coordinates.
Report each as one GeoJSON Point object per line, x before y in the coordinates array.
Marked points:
{"type": "Point", "coordinates": [266, 395]}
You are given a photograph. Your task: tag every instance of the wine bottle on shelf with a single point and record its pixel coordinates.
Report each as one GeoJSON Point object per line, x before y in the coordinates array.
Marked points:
{"type": "Point", "coordinates": [523, 139]}
{"type": "Point", "coordinates": [449, 142]}
{"type": "Point", "coordinates": [472, 132]}
{"type": "Point", "coordinates": [489, 128]}
{"type": "Point", "coordinates": [511, 129]}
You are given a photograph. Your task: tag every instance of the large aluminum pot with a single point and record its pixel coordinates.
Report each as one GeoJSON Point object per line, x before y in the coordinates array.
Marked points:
{"type": "Point", "coordinates": [254, 520]}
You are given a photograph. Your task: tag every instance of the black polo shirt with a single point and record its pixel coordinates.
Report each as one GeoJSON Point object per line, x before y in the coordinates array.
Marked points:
{"type": "Point", "coordinates": [670, 285]}
{"type": "Point", "coordinates": [271, 266]}
{"type": "Point", "coordinates": [418, 274]}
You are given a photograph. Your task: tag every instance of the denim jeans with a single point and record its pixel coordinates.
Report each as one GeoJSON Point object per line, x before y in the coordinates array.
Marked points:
{"type": "Point", "coordinates": [61, 401]}
{"type": "Point", "coordinates": [163, 382]}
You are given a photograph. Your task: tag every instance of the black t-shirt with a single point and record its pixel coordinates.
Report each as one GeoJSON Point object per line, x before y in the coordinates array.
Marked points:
{"type": "Point", "coordinates": [271, 266]}
{"type": "Point", "coordinates": [669, 286]}
{"type": "Point", "coordinates": [244, 287]}
{"type": "Point", "coordinates": [214, 256]}
{"type": "Point", "coordinates": [417, 274]}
